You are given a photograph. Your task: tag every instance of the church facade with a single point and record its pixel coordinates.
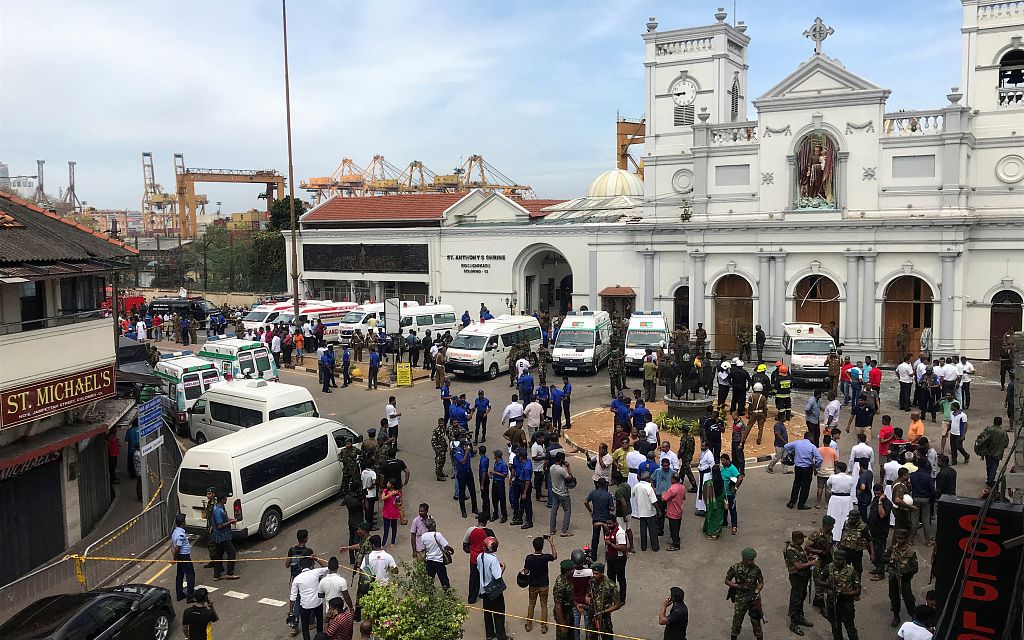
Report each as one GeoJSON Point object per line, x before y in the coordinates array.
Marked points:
{"type": "Point", "coordinates": [823, 208]}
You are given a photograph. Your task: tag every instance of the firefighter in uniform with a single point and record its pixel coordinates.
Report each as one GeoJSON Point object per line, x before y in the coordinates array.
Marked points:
{"type": "Point", "coordinates": [799, 565]}
{"type": "Point", "coordinates": [901, 565]}
{"type": "Point", "coordinates": [783, 389]}
{"type": "Point", "coordinates": [842, 588]}
{"type": "Point", "coordinates": [745, 582]}
{"type": "Point", "coordinates": [439, 443]}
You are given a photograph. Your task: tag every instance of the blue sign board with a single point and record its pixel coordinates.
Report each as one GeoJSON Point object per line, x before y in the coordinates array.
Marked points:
{"type": "Point", "coordinates": [151, 417]}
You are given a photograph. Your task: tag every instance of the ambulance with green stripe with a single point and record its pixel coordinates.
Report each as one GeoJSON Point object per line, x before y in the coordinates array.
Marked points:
{"type": "Point", "coordinates": [238, 359]}
{"type": "Point", "coordinates": [184, 378]}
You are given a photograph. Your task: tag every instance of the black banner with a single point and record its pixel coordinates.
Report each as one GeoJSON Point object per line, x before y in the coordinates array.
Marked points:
{"type": "Point", "coordinates": [987, 577]}
{"type": "Point", "coordinates": [363, 258]}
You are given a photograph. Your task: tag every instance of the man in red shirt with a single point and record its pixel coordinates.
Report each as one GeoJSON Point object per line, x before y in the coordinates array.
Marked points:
{"type": "Point", "coordinates": [844, 379]}
{"type": "Point", "coordinates": [885, 436]}
{"type": "Point", "coordinates": [616, 554]}
{"type": "Point", "coordinates": [473, 544]}
{"type": "Point", "coordinates": [339, 624]}
{"type": "Point", "coordinates": [875, 376]}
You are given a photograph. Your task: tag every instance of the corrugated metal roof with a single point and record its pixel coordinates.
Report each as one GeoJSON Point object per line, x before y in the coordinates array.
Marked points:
{"type": "Point", "coordinates": [43, 236]}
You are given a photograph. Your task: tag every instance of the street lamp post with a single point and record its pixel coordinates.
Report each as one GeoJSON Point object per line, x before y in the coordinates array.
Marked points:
{"type": "Point", "coordinates": [511, 304]}
{"type": "Point", "coordinates": [291, 171]}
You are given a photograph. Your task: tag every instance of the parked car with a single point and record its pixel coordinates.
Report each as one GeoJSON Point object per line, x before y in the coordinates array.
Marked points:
{"type": "Point", "coordinates": [127, 612]}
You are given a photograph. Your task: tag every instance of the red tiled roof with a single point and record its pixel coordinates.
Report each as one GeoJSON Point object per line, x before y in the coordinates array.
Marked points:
{"type": "Point", "coordinates": [535, 206]}
{"type": "Point", "coordinates": [416, 206]}
{"type": "Point", "coordinates": [34, 245]}
{"type": "Point", "coordinates": [616, 291]}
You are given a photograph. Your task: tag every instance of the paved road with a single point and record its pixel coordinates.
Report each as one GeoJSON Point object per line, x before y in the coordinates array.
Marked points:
{"type": "Point", "coordinates": [254, 606]}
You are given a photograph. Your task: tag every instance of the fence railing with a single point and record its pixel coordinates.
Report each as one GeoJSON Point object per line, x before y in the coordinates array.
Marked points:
{"type": "Point", "coordinates": [52, 579]}
{"type": "Point", "coordinates": [130, 541]}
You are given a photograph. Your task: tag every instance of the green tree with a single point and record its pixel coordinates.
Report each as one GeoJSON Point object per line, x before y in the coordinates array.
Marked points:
{"type": "Point", "coordinates": [408, 607]}
{"type": "Point", "coordinates": [281, 216]}
{"type": "Point", "coordinates": [267, 262]}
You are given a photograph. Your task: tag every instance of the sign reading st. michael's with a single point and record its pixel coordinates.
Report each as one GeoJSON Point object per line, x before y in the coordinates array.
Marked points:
{"type": "Point", "coordinates": [40, 399]}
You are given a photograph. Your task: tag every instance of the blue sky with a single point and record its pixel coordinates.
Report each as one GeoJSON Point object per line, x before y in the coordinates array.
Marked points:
{"type": "Point", "coordinates": [532, 86]}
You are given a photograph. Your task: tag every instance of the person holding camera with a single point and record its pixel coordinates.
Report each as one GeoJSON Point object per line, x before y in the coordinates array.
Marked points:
{"type": "Point", "coordinates": [197, 619]}
{"type": "Point", "coordinates": [535, 567]}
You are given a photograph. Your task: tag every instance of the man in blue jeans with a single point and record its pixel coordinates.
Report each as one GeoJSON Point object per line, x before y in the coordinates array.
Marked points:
{"type": "Point", "coordinates": [346, 365]}
{"type": "Point", "coordinates": [222, 536]}
{"type": "Point", "coordinates": [371, 377]}
{"type": "Point", "coordinates": [181, 550]}
{"type": "Point", "coordinates": [600, 503]}
{"type": "Point", "coordinates": [326, 369]}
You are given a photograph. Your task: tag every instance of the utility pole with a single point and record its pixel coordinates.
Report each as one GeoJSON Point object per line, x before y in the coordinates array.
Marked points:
{"type": "Point", "coordinates": [291, 171]}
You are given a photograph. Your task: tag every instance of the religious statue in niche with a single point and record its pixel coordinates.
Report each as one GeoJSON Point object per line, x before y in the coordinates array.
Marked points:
{"type": "Point", "coordinates": [815, 163]}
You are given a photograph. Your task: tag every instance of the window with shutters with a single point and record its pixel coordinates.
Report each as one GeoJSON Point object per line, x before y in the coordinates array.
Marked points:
{"type": "Point", "coordinates": [684, 116]}
{"type": "Point", "coordinates": [735, 112]}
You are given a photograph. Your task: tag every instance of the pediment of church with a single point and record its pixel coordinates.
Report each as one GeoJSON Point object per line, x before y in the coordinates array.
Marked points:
{"type": "Point", "coordinates": [820, 79]}
{"type": "Point", "coordinates": [479, 206]}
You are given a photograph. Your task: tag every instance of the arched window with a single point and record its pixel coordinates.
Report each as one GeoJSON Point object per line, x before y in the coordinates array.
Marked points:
{"type": "Point", "coordinates": [735, 111]}
{"type": "Point", "coordinates": [816, 166]}
{"type": "Point", "coordinates": [1011, 78]}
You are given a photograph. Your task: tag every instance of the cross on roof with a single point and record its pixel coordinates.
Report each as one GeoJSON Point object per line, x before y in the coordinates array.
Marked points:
{"type": "Point", "coordinates": [818, 32]}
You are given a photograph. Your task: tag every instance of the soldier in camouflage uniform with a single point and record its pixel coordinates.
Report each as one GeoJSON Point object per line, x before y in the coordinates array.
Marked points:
{"type": "Point", "coordinates": [562, 602]}
{"type": "Point", "coordinates": [687, 446]}
{"type": "Point", "coordinates": [820, 544]}
{"type": "Point", "coordinates": [619, 334]}
{"type": "Point", "coordinates": [901, 565]}
{"type": "Point", "coordinates": [700, 338]}
{"type": "Point", "coordinates": [745, 582]}
{"type": "Point", "coordinates": [370, 452]}
{"type": "Point", "coordinates": [842, 587]}
{"type": "Point", "coordinates": [349, 458]}
{"type": "Point", "coordinates": [543, 359]}
{"type": "Point", "coordinates": [513, 355]}
{"type": "Point", "coordinates": [799, 565]}
{"type": "Point", "coordinates": [357, 345]}
{"type": "Point", "coordinates": [439, 443]}
{"type": "Point", "coordinates": [854, 540]}
{"type": "Point", "coordinates": [604, 598]}
{"type": "Point", "coordinates": [744, 338]}
{"type": "Point", "coordinates": [616, 371]}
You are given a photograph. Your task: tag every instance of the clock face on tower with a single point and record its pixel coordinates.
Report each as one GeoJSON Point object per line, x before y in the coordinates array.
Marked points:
{"type": "Point", "coordinates": [684, 92]}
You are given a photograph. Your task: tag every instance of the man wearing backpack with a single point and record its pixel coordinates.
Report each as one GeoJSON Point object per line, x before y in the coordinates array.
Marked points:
{"type": "Point", "coordinates": [991, 444]}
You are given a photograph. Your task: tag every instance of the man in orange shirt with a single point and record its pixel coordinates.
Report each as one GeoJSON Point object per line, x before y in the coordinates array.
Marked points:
{"type": "Point", "coordinates": [916, 429]}
{"type": "Point", "coordinates": [829, 456]}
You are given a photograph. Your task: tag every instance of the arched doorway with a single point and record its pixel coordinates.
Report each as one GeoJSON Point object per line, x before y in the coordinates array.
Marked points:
{"type": "Point", "coordinates": [908, 301]}
{"type": "Point", "coordinates": [816, 299]}
{"type": "Point", "coordinates": [734, 309]}
{"type": "Point", "coordinates": [681, 307]}
{"type": "Point", "coordinates": [1006, 316]}
{"type": "Point", "coordinates": [546, 284]}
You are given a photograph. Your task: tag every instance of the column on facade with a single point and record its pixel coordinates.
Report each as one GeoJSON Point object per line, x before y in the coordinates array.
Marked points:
{"type": "Point", "coordinates": [946, 288]}
{"type": "Point", "coordinates": [779, 296]}
{"type": "Point", "coordinates": [377, 292]}
{"type": "Point", "coordinates": [352, 292]}
{"type": "Point", "coordinates": [594, 301]}
{"type": "Point", "coordinates": [763, 280]}
{"type": "Point", "coordinates": [648, 280]}
{"type": "Point", "coordinates": [851, 315]}
{"type": "Point", "coordinates": [697, 289]}
{"type": "Point", "coordinates": [867, 302]}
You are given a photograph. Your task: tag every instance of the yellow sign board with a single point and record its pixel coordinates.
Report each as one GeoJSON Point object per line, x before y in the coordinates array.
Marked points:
{"type": "Point", "coordinates": [404, 373]}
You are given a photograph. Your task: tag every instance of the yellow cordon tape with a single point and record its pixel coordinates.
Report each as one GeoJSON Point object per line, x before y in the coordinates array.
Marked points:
{"type": "Point", "coordinates": [78, 559]}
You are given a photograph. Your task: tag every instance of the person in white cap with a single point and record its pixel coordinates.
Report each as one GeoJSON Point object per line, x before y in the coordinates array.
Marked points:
{"type": "Point", "coordinates": [723, 383]}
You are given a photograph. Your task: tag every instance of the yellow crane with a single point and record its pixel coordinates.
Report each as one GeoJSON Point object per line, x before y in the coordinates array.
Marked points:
{"type": "Point", "coordinates": [190, 204]}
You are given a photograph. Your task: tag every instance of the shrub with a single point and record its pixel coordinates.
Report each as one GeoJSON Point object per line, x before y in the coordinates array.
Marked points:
{"type": "Point", "coordinates": [409, 607]}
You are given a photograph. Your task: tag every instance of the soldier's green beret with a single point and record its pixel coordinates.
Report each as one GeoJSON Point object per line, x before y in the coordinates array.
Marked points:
{"type": "Point", "coordinates": [839, 554]}
{"type": "Point", "coordinates": [748, 554]}
{"type": "Point", "coordinates": [565, 565]}
{"type": "Point", "coordinates": [828, 521]}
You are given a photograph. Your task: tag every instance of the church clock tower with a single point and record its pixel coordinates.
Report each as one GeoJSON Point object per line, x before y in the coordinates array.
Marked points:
{"type": "Point", "coordinates": [688, 72]}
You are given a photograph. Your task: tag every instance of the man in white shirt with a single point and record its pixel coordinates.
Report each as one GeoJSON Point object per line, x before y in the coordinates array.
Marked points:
{"type": "Point", "coordinates": [957, 433]}
{"type": "Point", "coordinates": [917, 629]}
{"type": "Point", "coordinates": [861, 451]}
{"type": "Point", "coordinates": [306, 591]}
{"type": "Point", "coordinates": [533, 414]}
{"type": "Point", "coordinates": [832, 410]}
{"type": "Point", "coordinates": [332, 585]}
{"type": "Point", "coordinates": [633, 460]}
{"type": "Point", "coordinates": [538, 456]}
{"type": "Point", "coordinates": [905, 374]}
{"type": "Point", "coordinates": [393, 415]}
{"type": "Point", "coordinates": [140, 330]}
{"type": "Point", "coordinates": [603, 464]}
{"type": "Point", "coordinates": [522, 367]}
{"type": "Point", "coordinates": [368, 480]}
{"type": "Point", "coordinates": [704, 465]}
{"type": "Point", "coordinates": [645, 510]}
{"type": "Point", "coordinates": [275, 348]}
{"type": "Point", "coordinates": [513, 412]}
{"type": "Point", "coordinates": [667, 452]}
{"type": "Point", "coordinates": [378, 562]}
{"type": "Point", "coordinates": [651, 431]}
{"type": "Point", "coordinates": [966, 371]}
{"type": "Point", "coordinates": [949, 377]}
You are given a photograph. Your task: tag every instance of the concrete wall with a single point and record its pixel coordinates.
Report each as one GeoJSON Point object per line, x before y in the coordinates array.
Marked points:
{"type": "Point", "coordinates": [232, 299]}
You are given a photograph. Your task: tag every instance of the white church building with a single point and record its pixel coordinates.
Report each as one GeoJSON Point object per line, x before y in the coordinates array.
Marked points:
{"type": "Point", "coordinates": [823, 208]}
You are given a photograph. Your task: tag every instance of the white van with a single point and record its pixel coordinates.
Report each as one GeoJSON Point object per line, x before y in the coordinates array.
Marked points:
{"type": "Point", "coordinates": [269, 472]}
{"type": "Point", "coordinates": [646, 330]}
{"type": "Point", "coordinates": [313, 311]}
{"type": "Point", "coordinates": [367, 316]}
{"type": "Point", "coordinates": [437, 318]}
{"type": "Point", "coordinates": [583, 342]}
{"type": "Point", "coordinates": [805, 347]}
{"type": "Point", "coordinates": [184, 378]}
{"type": "Point", "coordinates": [483, 348]}
{"type": "Point", "coordinates": [240, 358]}
{"type": "Point", "coordinates": [239, 404]}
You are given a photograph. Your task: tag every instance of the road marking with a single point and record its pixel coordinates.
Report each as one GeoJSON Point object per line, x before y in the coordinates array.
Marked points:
{"type": "Point", "coordinates": [159, 573]}
{"type": "Point", "coordinates": [235, 594]}
{"type": "Point", "coordinates": [271, 602]}
{"type": "Point", "coordinates": [209, 589]}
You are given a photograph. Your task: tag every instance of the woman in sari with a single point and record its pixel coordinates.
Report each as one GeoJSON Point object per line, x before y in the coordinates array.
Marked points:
{"type": "Point", "coordinates": [714, 499]}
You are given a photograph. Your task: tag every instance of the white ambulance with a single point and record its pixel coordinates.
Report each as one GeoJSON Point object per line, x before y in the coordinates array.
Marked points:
{"type": "Point", "coordinates": [583, 343]}
{"type": "Point", "coordinates": [184, 378]}
{"type": "Point", "coordinates": [238, 358]}
{"type": "Point", "coordinates": [646, 330]}
{"type": "Point", "coordinates": [805, 346]}
{"type": "Point", "coordinates": [483, 348]}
